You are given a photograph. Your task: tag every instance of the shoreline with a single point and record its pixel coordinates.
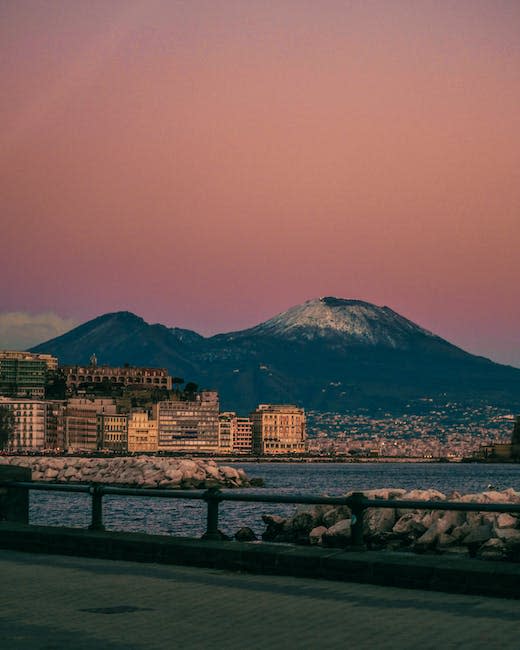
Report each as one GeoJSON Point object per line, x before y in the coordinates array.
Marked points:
{"type": "Point", "coordinates": [347, 460]}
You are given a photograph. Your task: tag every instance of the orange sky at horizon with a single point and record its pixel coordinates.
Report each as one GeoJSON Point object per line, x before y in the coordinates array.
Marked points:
{"type": "Point", "coordinates": [208, 165]}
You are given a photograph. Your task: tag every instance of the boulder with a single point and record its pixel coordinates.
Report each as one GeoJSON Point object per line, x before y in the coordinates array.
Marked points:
{"type": "Point", "coordinates": [316, 535]}
{"type": "Point", "coordinates": [409, 524]}
{"type": "Point", "coordinates": [275, 528]}
{"type": "Point", "coordinates": [332, 515]}
{"type": "Point", "coordinates": [445, 540]}
{"type": "Point", "coordinates": [477, 536]}
{"type": "Point", "coordinates": [378, 520]}
{"type": "Point", "coordinates": [493, 549]}
{"type": "Point", "coordinates": [245, 534]}
{"type": "Point", "coordinates": [505, 520]}
{"type": "Point", "coordinates": [431, 537]}
{"type": "Point", "coordinates": [338, 535]}
{"type": "Point", "coordinates": [507, 534]}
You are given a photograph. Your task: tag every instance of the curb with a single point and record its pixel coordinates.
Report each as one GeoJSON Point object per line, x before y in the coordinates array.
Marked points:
{"type": "Point", "coordinates": [387, 568]}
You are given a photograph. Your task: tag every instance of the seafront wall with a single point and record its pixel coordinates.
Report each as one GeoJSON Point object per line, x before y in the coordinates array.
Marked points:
{"type": "Point", "coordinates": [488, 535]}
{"type": "Point", "coordinates": [135, 471]}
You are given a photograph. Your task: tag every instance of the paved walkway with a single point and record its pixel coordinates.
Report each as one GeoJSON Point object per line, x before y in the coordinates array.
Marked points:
{"type": "Point", "coordinates": [54, 602]}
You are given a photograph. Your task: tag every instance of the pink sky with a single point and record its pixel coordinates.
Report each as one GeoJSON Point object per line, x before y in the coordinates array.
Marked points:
{"type": "Point", "coordinates": [209, 164]}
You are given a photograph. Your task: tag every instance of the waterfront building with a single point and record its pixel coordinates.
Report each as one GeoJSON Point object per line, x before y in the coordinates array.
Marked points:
{"type": "Point", "coordinates": [112, 431]}
{"type": "Point", "coordinates": [243, 436]}
{"type": "Point", "coordinates": [278, 429]}
{"type": "Point", "coordinates": [24, 374]}
{"type": "Point", "coordinates": [55, 425]}
{"type": "Point", "coordinates": [28, 422]}
{"type": "Point", "coordinates": [235, 434]}
{"type": "Point", "coordinates": [76, 376]}
{"type": "Point", "coordinates": [81, 421]}
{"type": "Point", "coordinates": [142, 432]}
{"type": "Point", "coordinates": [188, 425]}
{"type": "Point", "coordinates": [226, 430]}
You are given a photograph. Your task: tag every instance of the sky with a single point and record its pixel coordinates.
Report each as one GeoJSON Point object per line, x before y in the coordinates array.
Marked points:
{"type": "Point", "coordinates": [209, 164]}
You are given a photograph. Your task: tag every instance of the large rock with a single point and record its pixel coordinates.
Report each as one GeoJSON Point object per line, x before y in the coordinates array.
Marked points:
{"type": "Point", "coordinates": [409, 524]}
{"type": "Point", "coordinates": [477, 536]}
{"type": "Point", "coordinates": [492, 549]}
{"type": "Point", "coordinates": [316, 535]}
{"type": "Point", "coordinates": [377, 521]}
{"type": "Point", "coordinates": [505, 520]}
{"type": "Point", "coordinates": [338, 535]}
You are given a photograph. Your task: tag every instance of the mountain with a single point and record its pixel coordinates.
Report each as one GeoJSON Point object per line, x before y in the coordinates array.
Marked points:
{"type": "Point", "coordinates": [123, 337]}
{"type": "Point", "coordinates": [326, 354]}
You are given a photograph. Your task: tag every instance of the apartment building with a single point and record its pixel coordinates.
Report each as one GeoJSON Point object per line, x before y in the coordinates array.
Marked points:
{"type": "Point", "coordinates": [28, 423]}
{"type": "Point", "coordinates": [188, 425]}
{"type": "Point", "coordinates": [81, 421]}
{"type": "Point", "coordinates": [243, 436]}
{"type": "Point", "coordinates": [112, 431]}
{"type": "Point", "coordinates": [142, 432]}
{"type": "Point", "coordinates": [235, 434]}
{"type": "Point", "coordinates": [24, 374]}
{"type": "Point", "coordinates": [278, 429]}
{"type": "Point", "coordinates": [55, 425]}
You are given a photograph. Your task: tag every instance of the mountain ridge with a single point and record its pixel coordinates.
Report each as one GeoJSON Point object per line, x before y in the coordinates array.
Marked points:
{"type": "Point", "coordinates": [327, 353]}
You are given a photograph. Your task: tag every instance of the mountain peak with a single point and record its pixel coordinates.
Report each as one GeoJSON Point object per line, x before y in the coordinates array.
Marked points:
{"type": "Point", "coordinates": [354, 321]}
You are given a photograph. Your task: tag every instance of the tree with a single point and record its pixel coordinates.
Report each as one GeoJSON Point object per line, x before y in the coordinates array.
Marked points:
{"type": "Point", "coordinates": [190, 390]}
{"type": "Point", "coordinates": [6, 425]}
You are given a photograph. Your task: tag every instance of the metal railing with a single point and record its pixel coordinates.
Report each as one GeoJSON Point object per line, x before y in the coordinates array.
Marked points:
{"type": "Point", "coordinates": [357, 502]}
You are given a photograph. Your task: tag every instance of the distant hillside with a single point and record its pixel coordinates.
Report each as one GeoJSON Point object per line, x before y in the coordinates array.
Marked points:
{"type": "Point", "coordinates": [327, 354]}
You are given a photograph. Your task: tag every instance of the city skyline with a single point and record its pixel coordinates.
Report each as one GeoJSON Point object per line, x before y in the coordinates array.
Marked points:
{"type": "Point", "coordinates": [209, 165]}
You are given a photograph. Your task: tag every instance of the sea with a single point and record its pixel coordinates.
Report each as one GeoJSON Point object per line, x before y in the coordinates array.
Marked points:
{"type": "Point", "coordinates": [187, 518]}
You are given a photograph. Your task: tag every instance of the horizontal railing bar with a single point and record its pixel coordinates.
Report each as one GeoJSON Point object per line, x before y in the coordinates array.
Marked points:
{"type": "Point", "coordinates": [286, 498]}
{"type": "Point", "coordinates": [50, 487]}
{"type": "Point", "coordinates": [360, 501]}
{"type": "Point", "coordinates": [463, 506]}
{"type": "Point", "coordinates": [153, 492]}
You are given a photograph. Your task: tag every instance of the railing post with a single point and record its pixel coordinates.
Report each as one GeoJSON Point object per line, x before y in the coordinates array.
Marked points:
{"type": "Point", "coordinates": [97, 508]}
{"type": "Point", "coordinates": [14, 501]}
{"type": "Point", "coordinates": [358, 510]}
{"type": "Point", "coordinates": [212, 497]}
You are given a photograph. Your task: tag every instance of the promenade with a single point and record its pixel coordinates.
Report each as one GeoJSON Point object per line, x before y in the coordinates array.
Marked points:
{"type": "Point", "coordinates": [50, 602]}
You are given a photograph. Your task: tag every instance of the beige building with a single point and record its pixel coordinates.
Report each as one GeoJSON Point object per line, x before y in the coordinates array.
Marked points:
{"type": "Point", "coordinates": [55, 425]}
{"type": "Point", "coordinates": [278, 429]}
{"type": "Point", "coordinates": [243, 436]}
{"type": "Point", "coordinates": [142, 433]}
{"type": "Point", "coordinates": [226, 430]}
{"type": "Point", "coordinates": [81, 421]}
{"type": "Point", "coordinates": [235, 434]}
{"type": "Point", "coordinates": [188, 425]}
{"type": "Point", "coordinates": [112, 431]}
{"type": "Point", "coordinates": [29, 419]}
{"type": "Point", "coordinates": [125, 376]}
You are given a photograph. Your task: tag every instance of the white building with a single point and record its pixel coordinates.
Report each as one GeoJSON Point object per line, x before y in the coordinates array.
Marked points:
{"type": "Point", "coordinates": [28, 423]}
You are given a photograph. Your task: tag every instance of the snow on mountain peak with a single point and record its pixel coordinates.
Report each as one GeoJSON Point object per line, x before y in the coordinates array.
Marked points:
{"type": "Point", "coordinates": [361, 322]}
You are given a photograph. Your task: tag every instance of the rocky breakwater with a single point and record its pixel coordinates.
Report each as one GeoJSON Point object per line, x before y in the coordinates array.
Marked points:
{"type": "Point", "coordinates": [137, 471]}
{"type": "Point", "coordinates": [486, 535]}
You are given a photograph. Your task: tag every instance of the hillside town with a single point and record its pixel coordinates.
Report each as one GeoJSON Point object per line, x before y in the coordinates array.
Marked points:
{"type": "Point", "coordinates": [47, 407]}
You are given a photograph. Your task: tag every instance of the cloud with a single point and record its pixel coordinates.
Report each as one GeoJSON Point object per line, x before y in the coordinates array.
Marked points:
{"type": "Point", "coordinates": [19, 331]}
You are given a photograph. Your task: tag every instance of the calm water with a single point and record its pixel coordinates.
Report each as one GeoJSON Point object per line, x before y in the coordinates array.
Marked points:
{"type": "Point", "coordinates": [187, 518]}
